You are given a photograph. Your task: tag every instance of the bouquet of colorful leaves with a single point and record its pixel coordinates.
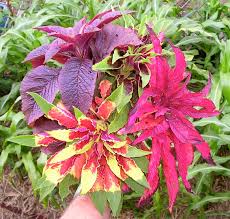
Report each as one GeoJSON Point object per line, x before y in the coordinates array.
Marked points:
{"type": "Point", "coordinates": [104, 103]}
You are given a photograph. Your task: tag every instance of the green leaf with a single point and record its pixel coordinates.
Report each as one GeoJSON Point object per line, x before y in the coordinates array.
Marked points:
{"type": "Point", "coordinates": [45, 187]}
{"type": "Point", "coordinates": [135, 152]}
{"type": "Point", "coordinates": [78, 113]}
{"type": "Point", "coordinates": [145, 79]}
{"type": "Point", "coordinates": [204, 168]}
{"type": "Point", "coordinates": [136, 187]}
{"type": "Point", "coordinates": [4, 155]}
{"type": "Point", "coordinates": [116, 56]}
{"type": "Point", "coordinates": [46, 190]}
{"type": "Point", "coordinates": [214, 120]}
{"type": "Point", "coordinates": [42, 103]}
{"type": "Point", "coordinates": [25, 140]}
{"type": "Point", "coordinates": [216, 92]}
{"type": "Point", "coordinates": [64, 185]}
{"type": "Point", "coordinates": [103, 65]}
{"type": "Point", "coordinates": [114, 199]}
{"type": "Point", "coordinates": [120, 119]}
{"type": "Point", "coordinates": [5, 100]}
{"type": "Point", "coordinates": [99, 200]}
{"type": "Point", "coordinates": [120, 97]}
{"type": "Point", "coordinates": [225, 70]}
{"type": "Point", "coordinates": [218, 197]}
{"type": "Point", "coordinates": [189, 40]}
{"type": "Point", "coordinates": [30, 167]}
{"type": "Point", "coordinates": [142, 162]}
{"type": "Point", "coordinates": [221, 160]}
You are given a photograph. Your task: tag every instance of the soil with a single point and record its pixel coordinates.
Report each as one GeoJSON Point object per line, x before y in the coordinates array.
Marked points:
{"type": "Point", "coordinates": [17, 200]}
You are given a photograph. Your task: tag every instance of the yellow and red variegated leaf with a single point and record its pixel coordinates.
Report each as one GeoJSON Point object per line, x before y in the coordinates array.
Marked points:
{"type": "Point", "coordinates": [87, 123]}
{"type": "Point", "coordinates": [78, 133]}
{"type": "Point", "coordinates": [68, 135]}
{"type": "Point", "coordinates": [71, 150]}
{"type": "Point", "coordinates": [114, 166]}
{"type": "Point", "coordinates": [106, 179]}
{"type": "Point", "coordinates": [111, 183]}
{"type": "Point", "coordinates": [105, 136]}
{"type": "Point", "coordinates": [55, 173]}
{"type": "Point", "coordinates": [63, 117]}
{"type": "Point", "coordinates": [132, 170]}
{"type": "Point", "coordinates": [105, 88]}
{"type": "Point", "coordinates": [44, 140]}
{"type": "Point", "coordinates": [84, 144]}
{"type": "Point", "coordinates": [105, 109]}
{"type": "Point", "coordinates": [89, 173]}
{"type": "Point", "coordinates": [118, 145]}
{"type": "Point", "coordinates": [63, 155]}
{"type": "Point", "coordinates": [60, 134]}
{"type": "Point", "coordinates": [78, 165]}
{"type": "Point", "coordinates": [122, 150]}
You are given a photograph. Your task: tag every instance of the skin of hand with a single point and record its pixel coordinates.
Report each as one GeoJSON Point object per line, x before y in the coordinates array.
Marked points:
{"type": "Point", "coordinates": [82, 207]}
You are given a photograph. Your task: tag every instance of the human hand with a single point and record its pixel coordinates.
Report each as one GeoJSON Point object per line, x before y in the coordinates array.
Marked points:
{"type": "Point", "coordinates": [83, 208]}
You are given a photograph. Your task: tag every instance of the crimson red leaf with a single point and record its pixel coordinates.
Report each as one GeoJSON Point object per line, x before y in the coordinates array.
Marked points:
{"type": "Point", "coordinates": [183, 129]}
{"type": "Point", "coordinates": [153, 177]}
{"type": "Point", "coordinates": [170, 172]}
{"type": "Point", "coordinates": [77, 82]}
{"type": "Point", "coordinates": [43, 81]}
{"type": "Point", "coordinates": [204, 149]}
{"type": "Point", "coordinates": [184, 154]}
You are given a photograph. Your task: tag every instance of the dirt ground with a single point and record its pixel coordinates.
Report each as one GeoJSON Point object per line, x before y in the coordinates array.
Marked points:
{"type": "Point", "coordinates": [17, 201]}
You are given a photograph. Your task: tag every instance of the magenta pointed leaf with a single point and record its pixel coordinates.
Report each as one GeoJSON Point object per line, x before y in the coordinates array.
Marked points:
{"type": "Point", "coordinates": [161, 114]}
{"type": "Point", "coordinates": [170, 172]}
{"type": "Point", "coordinates": [153, 176]}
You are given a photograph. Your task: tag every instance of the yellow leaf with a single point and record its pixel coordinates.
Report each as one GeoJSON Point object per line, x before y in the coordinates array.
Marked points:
{"type": "Point", "coordinates": [60, 134]}
{"type": "Point", "coordinates": [53, 175]}
{"type": "Point", "coordinates": [88, 178]}
{"type": "Point", "coordinates": [119, 144]}
{"type": "Point", "coordinates": [113, 165]}
{"type": "Point", "coordinates": [64, 154]}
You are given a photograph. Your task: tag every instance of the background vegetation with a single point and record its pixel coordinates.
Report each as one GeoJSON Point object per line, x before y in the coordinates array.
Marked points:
{"type": "Point", "coordinates": [200, 28]}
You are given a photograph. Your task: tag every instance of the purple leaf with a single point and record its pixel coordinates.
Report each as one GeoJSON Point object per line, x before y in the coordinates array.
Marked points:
{"type": "Point", "coordinates": [53, 148]}
{"type": "Point", "coordinates": [57, 46]}
{"type": "Point", "coordinates": [78, 26]}
{"type": "Point", "coordinates": [42, 80]}
{"type": "Point", "coordinates": [66, 34]}
{"type": "Point", "coordinates": [106, 17]}
{"type": "Point", "coordinates": [77, 82]}
{"type": "Point", "coordinates": [110, 37]}
{"type": "Point", "coordinates": [43, 124]}
{"type": "Point", "coordinates": [54, 29]}
{"type": "Point", "coordinates": [37, 56]}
